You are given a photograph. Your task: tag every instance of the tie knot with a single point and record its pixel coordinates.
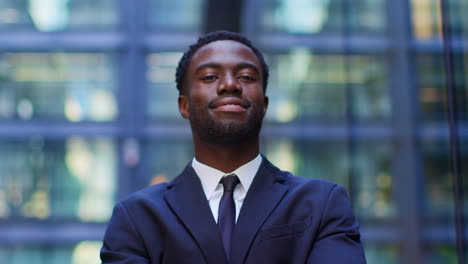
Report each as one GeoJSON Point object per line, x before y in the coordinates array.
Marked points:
{"type": "Point", "coordinates": [229, 182]}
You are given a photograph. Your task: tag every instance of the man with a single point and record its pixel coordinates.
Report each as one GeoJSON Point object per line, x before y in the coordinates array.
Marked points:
{"type": "Point", "coordinates": [230, 204]}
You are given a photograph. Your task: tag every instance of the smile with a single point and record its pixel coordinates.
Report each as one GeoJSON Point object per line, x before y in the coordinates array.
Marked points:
{"type": "Point", "coordinates": [229, 104]}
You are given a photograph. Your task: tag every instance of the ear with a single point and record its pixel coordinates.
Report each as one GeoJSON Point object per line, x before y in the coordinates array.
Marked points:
{"type": "Point", "coordinates": [184, 106]}
{"type": "Point", "coordinates": [265, 104]}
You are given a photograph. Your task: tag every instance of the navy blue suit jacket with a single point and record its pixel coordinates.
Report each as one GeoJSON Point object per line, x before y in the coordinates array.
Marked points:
{"type": "Point", "coordinates": [284, 219]}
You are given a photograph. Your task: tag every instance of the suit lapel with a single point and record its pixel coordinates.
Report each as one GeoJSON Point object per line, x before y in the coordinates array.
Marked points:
{"type": "Point", "coordinates": [186, 198]}
{"type": "Point", "coordinates": [265, 193]}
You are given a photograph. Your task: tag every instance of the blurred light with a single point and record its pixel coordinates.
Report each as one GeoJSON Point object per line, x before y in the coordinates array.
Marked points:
{"type": "Point", "coordinates": [384, 181]}
{"type": "Point", "coordinates": [282, 154]}
{"type": "Point", "coordinates": [49, 15]}
{"type": "Point", "coordinates": [86, 252]}
{"type": "Point", "coordinates": [25, 109]}
{"type": "Point", "coordinates": [78, 158]}
{"type": "Point", "coordinates": [72, 109]}
{"type": "Point", "coordinates": [302, 16]}
{"type": "Point", "coordinates": [429, 95]}
{"type": "Point", "coordinates": [93, 166]}
{"type": "Point", "coordinates": [37, 206]}
{"type": "Point", "coordinates": [102, 106]}
{"type": "Point", "coordinates": [426, 17]}
{"type": "Point", "coordinates": [286, 111]}
{"type": "Point", "coordinates": [159, 178]}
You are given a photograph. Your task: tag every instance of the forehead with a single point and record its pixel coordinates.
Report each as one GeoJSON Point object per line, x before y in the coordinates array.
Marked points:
{"type": "Point", "coordinates": [224, 52]}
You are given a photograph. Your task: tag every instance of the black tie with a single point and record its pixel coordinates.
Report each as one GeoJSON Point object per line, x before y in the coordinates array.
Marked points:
{"type": "Point", "coordinates": [227, 211]}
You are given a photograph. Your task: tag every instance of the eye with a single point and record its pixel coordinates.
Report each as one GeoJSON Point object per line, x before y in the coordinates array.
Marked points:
{"type": "Point", "coordinates": [247, 78]}
{"type": "Point", "coordinates": [208, 78]}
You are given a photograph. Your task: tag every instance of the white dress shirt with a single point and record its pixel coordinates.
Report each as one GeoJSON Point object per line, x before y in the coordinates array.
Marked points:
{"type": "Point", "coordinates": [210, 178]}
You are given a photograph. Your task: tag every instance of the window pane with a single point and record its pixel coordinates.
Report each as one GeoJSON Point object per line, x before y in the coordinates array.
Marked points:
{"type": "Point", "coordinates": [432, 86]}
{"type": "Point", "coordinates": [71, 179]}
{"type": "Point", "coordinates": [56, 15]}
{"type": "Point", "coordinates": [305, 85]}
{"type": "Point", "coordinates": [440, 254]}
{"type": "Point", "coordinates": [181, 15]}
{"type": "Point", "coordinates": [381, 253]}
{"type": "Point", "coordinates": [440, 203]}
{"type": "Point", "coordinates": [162, 99]}
{"type": "Point", "coordinates": [71, 86]}
{"type": "Point", "coordinates": [167, 159]}
{"type": "Point", "coordinates": [82, 253]}
{"type": "Point", "coordinates": [427, 20]}
{"type": "Point", "coordinates": [332, 160]}
{"type": "Point", "coordinates": [324, 16]}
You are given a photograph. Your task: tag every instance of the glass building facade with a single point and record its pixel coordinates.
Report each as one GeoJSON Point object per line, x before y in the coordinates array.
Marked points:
{"type": "Point", "coordinates": [360, 93]}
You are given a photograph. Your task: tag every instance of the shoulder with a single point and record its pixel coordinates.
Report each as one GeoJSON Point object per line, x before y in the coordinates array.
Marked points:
{"type": "Point", "coordinates": [315, 185]}
{"type": "Point", "coordinates": [150, 195]}
{"type": "Point", "coordinates": [295, 182]}
{"type": "Point", "coordinates": [315, 188]}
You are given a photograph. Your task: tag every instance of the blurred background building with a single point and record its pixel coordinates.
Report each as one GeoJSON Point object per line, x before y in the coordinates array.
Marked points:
{"type": "Point", "coordinates": [367, 93]}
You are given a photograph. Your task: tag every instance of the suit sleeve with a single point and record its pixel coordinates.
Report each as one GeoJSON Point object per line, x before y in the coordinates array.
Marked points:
{"type": "Point", "coordinates": [122, 243]}
{"type": "Point", "coordinates": [338, 240]}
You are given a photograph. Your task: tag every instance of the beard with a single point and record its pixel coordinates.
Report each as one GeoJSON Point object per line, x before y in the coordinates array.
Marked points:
{"type": "Point", "coordinates": [225, 131]}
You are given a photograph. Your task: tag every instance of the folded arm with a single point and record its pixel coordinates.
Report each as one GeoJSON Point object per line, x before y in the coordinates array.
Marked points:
{"type": "Point", "coordinates": [338, 240]}
{"type": "Point", "coordinates": [122, 243]}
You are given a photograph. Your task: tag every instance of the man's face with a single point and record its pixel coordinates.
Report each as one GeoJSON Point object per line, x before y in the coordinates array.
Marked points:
{"type": "Point", "coordinates": [223, 93]}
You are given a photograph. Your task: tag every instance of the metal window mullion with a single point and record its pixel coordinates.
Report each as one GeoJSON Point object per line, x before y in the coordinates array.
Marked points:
{"type": "Point", "coordinates": [132, 102]}
{"type": "Point", "coordinates": [406, 166]}
{"type": "Point", "coordinates": [452, 113]}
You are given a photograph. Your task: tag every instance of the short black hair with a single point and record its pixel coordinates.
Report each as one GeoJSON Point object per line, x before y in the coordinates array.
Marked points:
{"type": "Point", "coordinates": [211, 37]}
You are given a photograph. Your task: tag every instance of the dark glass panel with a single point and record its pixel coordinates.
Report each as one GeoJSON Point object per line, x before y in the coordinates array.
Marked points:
{"type": "Point", "coordinates": [432, 86]}
{"type": "Point", "coordinates": [440, 254]}
{"type": "Point", "coordinates": [57, 15]}
{"type": "Point", "coordinates": [307, 85]}
{"type": "Point", "coordinates": [427, 18]}
{"type": "Point", "coordinates": [71, 179]}
{"type": "Point", "coordinates": [162, 91]}
{"type": "Point", "coordinates": [181, 15]}
{"type": "Point", "coordinates": [439, 183]}
{"type": "Point", "coordinates": [85, 252]}
{"type": "Point", "coordinates": [333, 160]}
{"type": "Point", "coordinates": [382, 253]}
{"type": "Point", "coordinates": [71, 86]}
{"type": "Point", "coordinates": [323, 17]}
{"type": "Point", "coordinates": [167, 159]}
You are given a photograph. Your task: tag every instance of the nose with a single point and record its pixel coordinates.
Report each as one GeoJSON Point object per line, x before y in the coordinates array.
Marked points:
{"type": "Point", "coordinates": [229, 84]}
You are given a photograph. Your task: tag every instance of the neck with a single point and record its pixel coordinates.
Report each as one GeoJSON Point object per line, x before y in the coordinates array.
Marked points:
{"type": "Point", "coordinates": [226, 157]}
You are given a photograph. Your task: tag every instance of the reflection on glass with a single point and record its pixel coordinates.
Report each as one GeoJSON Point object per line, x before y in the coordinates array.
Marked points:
{"type": "Point", "coordinates": [440, 203]}
{"type": "Point", "coordinates": [332, 161]}
{"type": "Point", "coordinates": [74, 86]}
{"type": "Point", "coordinates": [82, 253]}
{"type": "Point", "coordinates": [167, 159]}
{"type": "Point", "coordinates": [308, 85]}
{"type": "Point", "coordinates": [181, 15]}
{"type": "Point", "coordinates": [43, 179]}
{"type": "Point", "coordinates": [432, 86]}
{"type": "Point", "coordinates": [56, 15]}
{"type": "Point", "coordinates": [427, 18]}
{"type": "Point", "coordinates": [381, 253]}
{"type": "Point", "coordinates": [323, 16]}
{"type": "Point", "coordinates": [440, 254]}
{"type": "Point", "coordinates": [162, 99]}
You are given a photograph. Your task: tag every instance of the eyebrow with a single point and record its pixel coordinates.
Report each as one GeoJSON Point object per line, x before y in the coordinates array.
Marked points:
{"type": "Point", "coordinates": [238, 66]}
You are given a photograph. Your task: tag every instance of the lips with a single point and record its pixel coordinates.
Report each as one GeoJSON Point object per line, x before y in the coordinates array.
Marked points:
{"type": "Point", "coordinates": [229, 104]}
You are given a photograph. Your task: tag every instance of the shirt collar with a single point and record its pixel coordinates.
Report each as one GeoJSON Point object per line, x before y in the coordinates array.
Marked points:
{"type": "Point", "coordinates": [210, 177]}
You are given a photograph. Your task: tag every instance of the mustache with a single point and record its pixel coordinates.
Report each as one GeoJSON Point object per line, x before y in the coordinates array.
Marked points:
{"type": "Point", "coordinates": [214, 101]}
